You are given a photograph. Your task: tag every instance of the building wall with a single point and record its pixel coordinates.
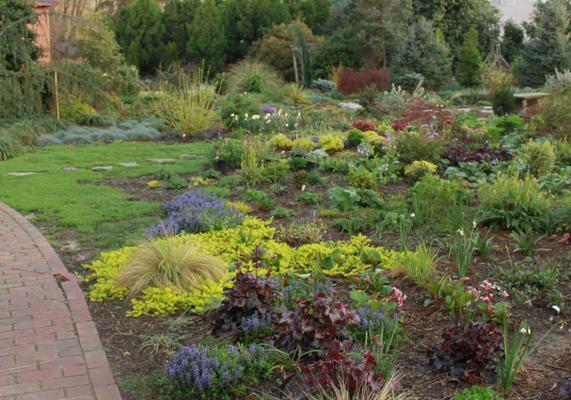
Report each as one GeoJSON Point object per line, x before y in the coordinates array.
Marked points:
{"type": "Point", "coordinates": [42, 30]}
{"type": "Point", "coordinates": [517, 10]}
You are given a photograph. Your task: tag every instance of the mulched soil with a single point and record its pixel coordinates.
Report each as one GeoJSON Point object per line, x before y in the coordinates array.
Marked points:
{"type": "Point", "coordinates": [546, 369]}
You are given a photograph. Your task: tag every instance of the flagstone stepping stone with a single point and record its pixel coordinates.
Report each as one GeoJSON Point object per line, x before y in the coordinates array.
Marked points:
{"type": "Point", "coordinates": [162, 160]}
{"type": "Point", "coordinates": [22, 173]}
{"type": "Point", "coordinates": [72, 169]}
{"type": "Point", "coordinates": [131, 164]}
{"type": "Point", "coordinates": [350, 106]}
{"type": "Point", "coordinates": [185, 157]}
{"type": "Point", "coordinates": [102, 168]}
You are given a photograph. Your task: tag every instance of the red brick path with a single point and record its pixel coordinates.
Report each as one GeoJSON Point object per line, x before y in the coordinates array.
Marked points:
{"type": "Point", "coordinates": [49, 346]}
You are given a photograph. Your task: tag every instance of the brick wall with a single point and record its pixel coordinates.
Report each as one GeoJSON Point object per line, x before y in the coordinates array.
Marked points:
{"type": "Point", "coordinates": [42, 30]}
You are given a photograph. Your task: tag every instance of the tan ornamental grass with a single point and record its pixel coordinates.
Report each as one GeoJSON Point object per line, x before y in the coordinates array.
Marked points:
{"type": "Point", "coordinates": [168, 263]}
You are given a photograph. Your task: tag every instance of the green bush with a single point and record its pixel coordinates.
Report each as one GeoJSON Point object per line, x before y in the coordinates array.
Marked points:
{"type": "Point", "coordinates": [362, 178]}
{"type": "Point", "coordinates": [503, 101]}
{"type": "Point", "coordinates": [556, 114]}
{"type": "Point", "coordinates": [275, 171]}
{"type": "Point", "coordinates": [354, 138]}
{"type": "Point", "coordinates": [539, 158]}
{"type": "Point", "coordinates": [414, 146]}
{"type": "Point", "coordinates": [513, 203]}
{"type": "Point", "coordinates": [228, 152]}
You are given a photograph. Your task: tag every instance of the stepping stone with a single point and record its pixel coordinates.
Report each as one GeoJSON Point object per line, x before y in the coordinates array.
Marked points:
{"type": "Point", "coordinates": [350, 106]}
{"type": "Point", "coordinates": [72, 169]}
{"type": "Point", "coordinates": [131, 164]}
{"type": "Point", "coordinates": [102, 168]}
{"type": "Point", "coordinates": [162, 160]}
{"type": "Point", "coordinates": [185, 157]}
{"type": "Point", "coordinates": [22, 173]}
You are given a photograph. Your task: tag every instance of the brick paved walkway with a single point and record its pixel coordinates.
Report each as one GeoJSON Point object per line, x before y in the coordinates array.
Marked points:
{"type": "Point", "coordinates": [49, 346]}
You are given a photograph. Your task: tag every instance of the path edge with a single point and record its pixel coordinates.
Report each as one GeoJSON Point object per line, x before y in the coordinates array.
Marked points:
{"type": "Point", "coordinates": [98, 368]}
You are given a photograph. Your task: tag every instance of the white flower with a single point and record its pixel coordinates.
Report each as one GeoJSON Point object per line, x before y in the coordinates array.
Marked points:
{"type": "Point", "coordinates": [246, 115]}
{"type": "Point", "coordinates": [232, 115]}
{"type": "Point", "coordinates": [255, 116]}
{"type": "Point", "coordinates": [303, 188]}
{"type": "Point", "coordinates": [525, 330]}
{"type": "Point", "coordinates": [461, 232]}
{"type": "Point", "coordinates": [556, 309]}
{"type": "Point", "coordinates": [412, 215]}
{"type": "Point", "coordinates": [474, 224]}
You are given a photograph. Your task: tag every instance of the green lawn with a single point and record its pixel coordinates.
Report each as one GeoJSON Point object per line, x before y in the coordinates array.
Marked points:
{"type": "Point", "coordinates": [101, 216]}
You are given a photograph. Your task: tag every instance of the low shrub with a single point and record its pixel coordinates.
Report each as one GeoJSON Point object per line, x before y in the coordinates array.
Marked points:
{"type": "Point", "coordinates": [354, 138]}
{"type": "Point", "coordinates": [419, 169]}
{"type": "Point", "coordinates": [309, 198]}
{"type": "Point", "coordinates": [538, 157]}
{"type": "Point", "coordinates": [353, 81]}
{"type": "Point", "coordinates": [362, 178]}
{"type": "Point", "coordinates": [503, 101]}
{"type": "Point", "coordinates": [414, 146]}
{"type": "Point", "coordinates": [555, 113]}
{"type": "Point", "coordinates": [331, 143]}
{"type": "Point", "coordinates": [280, 142]}
{"type": "Point", "coordinates": [228, 152]}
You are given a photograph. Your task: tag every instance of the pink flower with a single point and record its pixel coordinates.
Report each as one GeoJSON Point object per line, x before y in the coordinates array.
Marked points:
{"type": "Point", "coordinates": [505, 295]}
{"type": "Point", "coordinates": [397, 296]}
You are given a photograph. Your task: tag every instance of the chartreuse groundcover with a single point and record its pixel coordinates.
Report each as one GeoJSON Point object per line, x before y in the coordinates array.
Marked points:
{"type": "Point", "coordinates": [235, 246]}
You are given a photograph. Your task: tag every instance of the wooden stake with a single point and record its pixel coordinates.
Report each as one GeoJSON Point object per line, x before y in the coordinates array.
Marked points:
{"type": "Point", "coordinates": [295, 65]}
{"type": "Point", "coordinates": [56, 94]}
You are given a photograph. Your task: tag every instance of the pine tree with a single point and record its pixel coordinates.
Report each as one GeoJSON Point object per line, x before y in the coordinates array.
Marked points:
{"type": "Point", "coordinates": [176, 16]}
{"type": "Point", "coordinates": [512, 41]}
{"type": "Point", "coordinates": [469, 68]}
{"type": "Point", "coordinates": [425, 53]}
{"type": "Point", "coordinates": [17, 46]}
{"type": "Point", "coordinates": [206, 42]}
{"type": "Point", "coordinates": [140, 34]}
{"type": "Point", "coordinates": [549, 48]}
{"type": "Point", "coordinates": [456, 17]}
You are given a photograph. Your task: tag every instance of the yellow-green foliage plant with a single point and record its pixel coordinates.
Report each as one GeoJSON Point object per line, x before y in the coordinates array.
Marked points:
{"type": "Point", "coordinates": [232, 246]}
{"type": "Point", "coordinates": [539, 158]}
{"type": "Point", "coordinates": [189, 106]}
{"type": "Point", "coordinates": [168, 263]}
{"type": "Point", "coordinates": [418, 169]}
{"type": "Point", "coordinates": [302, 145]}
{"type": "Point", "coordinates": [374, 138]}
{"type": "Point", "coordinates": [280, 142]}
{"type": "Point", "coordinates": [331, 143]}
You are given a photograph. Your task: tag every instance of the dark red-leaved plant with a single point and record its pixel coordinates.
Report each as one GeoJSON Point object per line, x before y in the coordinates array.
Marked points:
{"type": "Point", "coordinates": [364, 125]}
{"type": "Point", "coordinates": [462, 153]}
{"type": "Point", "coordinates": [469, 351]}
{"type": "Point", "coordinates": [337, 366]}
{"type": "Point", "coordinates": [250, 295]}
{"type": "Point", "coordinates": [353, 81]}
{"type": "Point", "coordinates": [422, 112]}
{"type": "Point", "coordinates": [315, 323]}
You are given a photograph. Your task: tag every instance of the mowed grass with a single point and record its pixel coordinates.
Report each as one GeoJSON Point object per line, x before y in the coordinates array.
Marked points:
{"type": "Point", "coordinates": [101, 216]}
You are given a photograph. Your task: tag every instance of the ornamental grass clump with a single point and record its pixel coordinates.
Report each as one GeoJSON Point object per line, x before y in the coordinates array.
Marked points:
{"type": "Point", "coordinates": [168, 263]}
{"type": "Point", "coordinates": [513, 203]}
{"type": "Point", "coordinates": [195, 212]}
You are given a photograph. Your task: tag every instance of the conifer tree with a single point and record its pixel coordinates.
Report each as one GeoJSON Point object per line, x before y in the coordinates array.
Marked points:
{"type": "Point", "coordinates": [469, 68]}
{"type": "Point", "coordinates": [17, 46]}
{"type": "Point", "coordinates": [425, 53]}
{"type": "Point", "coordinates": [549, 47]}
{"type": "Point", "coordinates": [206, 42]}
{"type": "Point", "coordinates": [139, 32]}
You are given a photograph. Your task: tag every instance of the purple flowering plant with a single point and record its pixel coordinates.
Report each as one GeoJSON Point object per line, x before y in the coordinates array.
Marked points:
{"type": "Point", "coordinates": [222, 371]}
{"type": "Point", "coordinates": [195, 212]}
